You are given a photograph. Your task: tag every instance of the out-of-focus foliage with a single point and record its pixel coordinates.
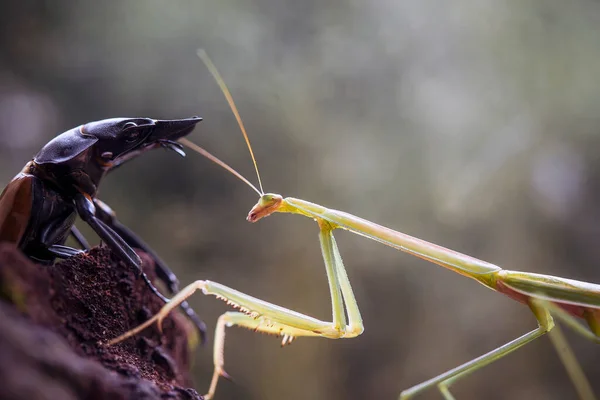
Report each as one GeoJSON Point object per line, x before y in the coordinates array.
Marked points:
{"type": "Point", "coordinates": [471, 124]}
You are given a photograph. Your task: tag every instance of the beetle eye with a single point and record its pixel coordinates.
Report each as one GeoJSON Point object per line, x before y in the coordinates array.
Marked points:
{"type": "Point", "coordinates": [107, 155]}
{"type": "Point", "coordinates": [131, 135]}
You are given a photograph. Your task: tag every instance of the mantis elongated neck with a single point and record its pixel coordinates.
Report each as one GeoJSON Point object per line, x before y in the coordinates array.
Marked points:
{"type": "Point", "coordinates": [471, 267]}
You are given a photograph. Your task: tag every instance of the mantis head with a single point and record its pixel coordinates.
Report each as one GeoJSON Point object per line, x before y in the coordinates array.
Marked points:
{"type": "Point", "coordinates": [267, 205]}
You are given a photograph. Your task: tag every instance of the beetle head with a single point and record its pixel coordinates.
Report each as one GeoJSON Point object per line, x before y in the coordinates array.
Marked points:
{"type": "Point", "coordinates": [116, 140]}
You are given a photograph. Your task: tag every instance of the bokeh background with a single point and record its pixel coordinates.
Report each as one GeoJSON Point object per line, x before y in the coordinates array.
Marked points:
{"type": "Point", "coordinates": [474, 125]}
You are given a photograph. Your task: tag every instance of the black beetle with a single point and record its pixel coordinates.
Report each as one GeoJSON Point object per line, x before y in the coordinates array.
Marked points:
{"type": "Point", "coordinates": [39, 206]}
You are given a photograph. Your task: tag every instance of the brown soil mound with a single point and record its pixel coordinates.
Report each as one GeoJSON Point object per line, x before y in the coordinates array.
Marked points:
{"type": "Point", "coordinates": [55, 319]}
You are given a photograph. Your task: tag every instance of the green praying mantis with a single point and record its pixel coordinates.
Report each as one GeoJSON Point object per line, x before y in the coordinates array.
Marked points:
{"type": "Point", "coordinates": [547, 297]}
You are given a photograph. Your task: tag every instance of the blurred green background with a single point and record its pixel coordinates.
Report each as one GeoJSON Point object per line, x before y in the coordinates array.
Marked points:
{"type": "Point", "coordinates": [474, 125]}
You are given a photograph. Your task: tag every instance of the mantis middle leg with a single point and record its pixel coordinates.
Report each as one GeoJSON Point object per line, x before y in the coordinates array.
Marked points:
{"type": "Point", "coordinates": [443, 381]}
{"type": "Point", "coordinates": [543, 311]}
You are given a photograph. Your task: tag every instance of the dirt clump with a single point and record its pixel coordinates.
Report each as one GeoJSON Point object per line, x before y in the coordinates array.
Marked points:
{"type": "Point", "coordinates": [56, 318]}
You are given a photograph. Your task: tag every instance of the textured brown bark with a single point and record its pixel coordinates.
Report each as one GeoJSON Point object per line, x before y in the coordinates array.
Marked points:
{"type": "Point", "coordinates": [54, 320]}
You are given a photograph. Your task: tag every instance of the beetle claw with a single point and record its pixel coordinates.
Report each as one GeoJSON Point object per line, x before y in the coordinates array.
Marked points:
{"type": "Point", "coordinates": [173, 145]}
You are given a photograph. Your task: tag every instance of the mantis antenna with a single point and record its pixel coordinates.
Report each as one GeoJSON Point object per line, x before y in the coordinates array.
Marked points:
{"type": "Point", "coordinates": [191, 145]}
{"type": "Point", "coordinates": [215, 73]}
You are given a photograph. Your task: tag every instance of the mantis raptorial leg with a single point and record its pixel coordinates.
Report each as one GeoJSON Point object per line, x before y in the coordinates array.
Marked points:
{"type": "Point", "coordinates": [261, 316]}
{"type": "Point", "coordinates": [546, 296]}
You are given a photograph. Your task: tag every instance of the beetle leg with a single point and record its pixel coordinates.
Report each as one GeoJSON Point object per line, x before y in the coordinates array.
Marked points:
{"type": "Point", "coordinates": [163, 272]}
{"type": "Point", "coordinates": [61, 251]}
{"type": "Point", "coordinates": [79, 238]}
{"type": "Point", "coordinates": [86, 210]}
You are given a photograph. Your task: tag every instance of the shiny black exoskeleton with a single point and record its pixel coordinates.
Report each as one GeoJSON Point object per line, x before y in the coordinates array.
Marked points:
{"type": "Point", "coordinates": [39, 206]}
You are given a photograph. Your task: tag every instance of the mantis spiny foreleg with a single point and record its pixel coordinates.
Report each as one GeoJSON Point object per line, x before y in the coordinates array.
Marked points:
{"type": "Point", "coordinates": [261, 316]}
